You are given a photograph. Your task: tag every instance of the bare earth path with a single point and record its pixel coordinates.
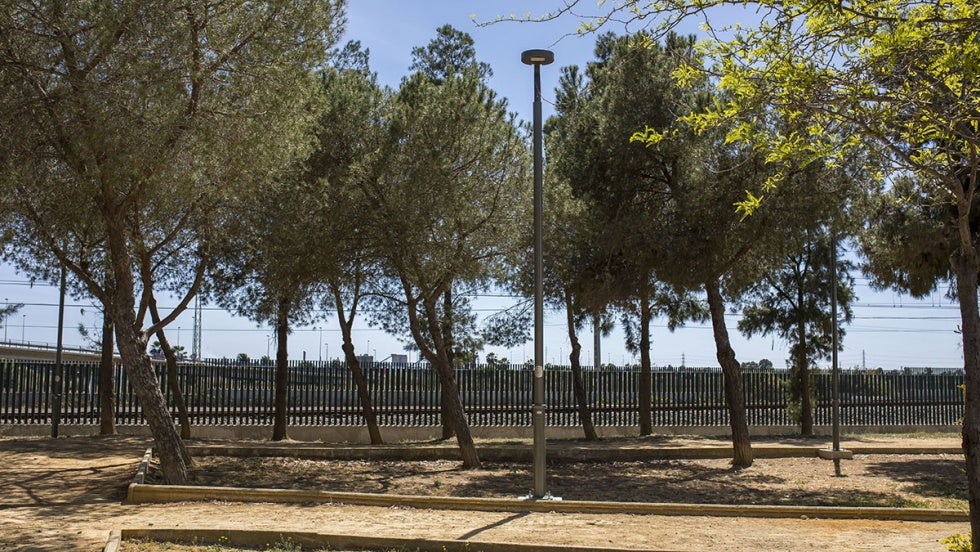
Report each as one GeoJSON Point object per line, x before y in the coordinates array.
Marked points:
{"type": "Point", "coordinates": [66, 495]}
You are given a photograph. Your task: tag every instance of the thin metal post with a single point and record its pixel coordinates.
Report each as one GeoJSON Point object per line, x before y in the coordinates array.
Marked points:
{"type": "Point", "coordinates": [58, 369]}
{"type": "Point", "coordinates": [835, 369]}
{"type": "Point", "coordinates": [537, 58]}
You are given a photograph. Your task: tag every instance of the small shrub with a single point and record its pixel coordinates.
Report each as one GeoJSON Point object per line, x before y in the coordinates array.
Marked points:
{"type": "Point", "coordinates": [285, 545]}
{"type": "Point", "coordinates": [958, 543]}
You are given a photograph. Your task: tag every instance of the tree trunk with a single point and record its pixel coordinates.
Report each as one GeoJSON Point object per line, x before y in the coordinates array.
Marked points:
{"type": "Point", "coordinates": [282, 372]}
{"type": "Point", "coordinates": [447, 335]}
{"type": "Point", "coordinates": [578, 383]}
{"type": "Point", "coordinates": [107, 388]}
{"type": "Point", "coordinates": [966, 267]}
{"type": "Point", "coordinates": [452, 404]}
{"type": "Point", "coordinates": [362, 389]}
{"type": "Point", "coordinates": [446, 396]}
{"type": "Point", "coordinates": [346, 327]}
{"type": "Point", "coordinates": [734, 393]}
{"type": "Point", "coordinates": [132, 349]}
{"type": "Point", "coordinates": [453, 412]}
{"type": "Point", "coordinates": [167, 442]}
{"type": "Point", "coordinates": [803, 371]}
{"type": "Point", "coordinates": [168, 352]}
{"type": "Point", "coordinates": [646, 379]}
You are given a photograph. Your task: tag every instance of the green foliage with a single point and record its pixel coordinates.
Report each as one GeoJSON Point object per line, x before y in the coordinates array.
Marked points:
{"type": "Point", "coordinates": [180, 352]}
{"type": "Point", "coordinates": [608, 193]}
{"type": "Point", "coordinates": [793, 390]}
{"type": "Point", "coordinates": [448, 55]}
{"type": "Point", "coordinates": [123, 136]}
{"type": "Point", "coordinates": [910, 237]}
{"type": "Point", "coordinates": [442, 206]}
{"type": "Point", "coordinates": [9, 310]}
{"type": "Point", "coordinates": [495, 363]}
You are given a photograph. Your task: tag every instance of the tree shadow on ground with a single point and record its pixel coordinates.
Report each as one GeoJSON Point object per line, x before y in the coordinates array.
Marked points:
{"type": "Point", "coordinates": [674, 482]}
{"type": "Point", "coordinates": [670, 481]}
{"type": "Point", "coordinates": [83, 470]}
{"type": "Point", "coordinates": [927, 477]}
{"type": "Point", "coordinates": [79, 485]}
{"type": "Point", "coordinates": [78, 448]}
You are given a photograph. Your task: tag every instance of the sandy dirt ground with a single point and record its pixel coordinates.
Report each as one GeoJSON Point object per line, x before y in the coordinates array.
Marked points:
{"type": "Point", "coordinates": [66, 494]}
{"type": "Point", "coordinates": [891, 481]}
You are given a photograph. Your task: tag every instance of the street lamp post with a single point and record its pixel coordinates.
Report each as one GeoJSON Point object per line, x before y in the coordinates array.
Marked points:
{"type": "Point", "coordinates": [56, 382]}
{"type": "Point", "coordinates": [537, 58]}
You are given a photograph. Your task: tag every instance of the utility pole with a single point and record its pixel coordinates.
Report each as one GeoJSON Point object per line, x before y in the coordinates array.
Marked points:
{"type": "Point", "coordinates": [196, 346]}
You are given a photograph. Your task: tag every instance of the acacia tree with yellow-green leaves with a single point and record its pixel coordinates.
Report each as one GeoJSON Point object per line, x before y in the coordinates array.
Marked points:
{"type": "Point", "coordinates": [898, 75]}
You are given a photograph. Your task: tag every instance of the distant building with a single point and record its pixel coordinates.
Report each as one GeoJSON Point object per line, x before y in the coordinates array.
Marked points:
{"type": "Point", "coordinates": [399, 359]}
{"type": "Point", "coordinates": [365, 359]}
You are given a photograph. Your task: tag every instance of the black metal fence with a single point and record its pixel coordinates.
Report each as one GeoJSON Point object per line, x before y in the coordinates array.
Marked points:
{"type": "Point", "coordinates": [226, 392]}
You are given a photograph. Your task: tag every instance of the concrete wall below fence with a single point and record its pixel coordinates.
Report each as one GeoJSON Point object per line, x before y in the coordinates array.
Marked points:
{"type": "Point", "coordinates": [394, 434]}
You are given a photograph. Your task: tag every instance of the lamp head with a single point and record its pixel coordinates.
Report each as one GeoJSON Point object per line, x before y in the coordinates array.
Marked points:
{"type": "Point", "coordinates": [537, 57]}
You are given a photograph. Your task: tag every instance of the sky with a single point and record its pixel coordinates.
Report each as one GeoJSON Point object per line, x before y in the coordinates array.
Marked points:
{"type": "Point", "coordinates": [889, 330]}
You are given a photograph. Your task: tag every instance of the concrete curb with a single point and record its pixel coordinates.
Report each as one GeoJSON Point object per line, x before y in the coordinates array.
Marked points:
{"type": "Point", "coordinates": [267, 538]}
{"type": "Point", "coordinates": [140, 494]}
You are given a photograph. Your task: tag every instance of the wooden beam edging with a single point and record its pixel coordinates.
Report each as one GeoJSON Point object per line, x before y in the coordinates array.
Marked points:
{"type": "Point", "coordinates": [875, 449]}
{"type": "Point", "coordinates": [114, 542]}
{"type": "Point", "coordinates": [139, 494]}
{"type": "Point", "coordinates": [334, 541]}
{"type": "Point", "coordinates": [143, 467]}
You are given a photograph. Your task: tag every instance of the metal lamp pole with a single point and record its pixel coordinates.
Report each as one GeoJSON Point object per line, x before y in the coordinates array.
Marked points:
{"type": "Point", "coordinates": [835, 368]}
{"type": "Point", "coordinates": [537, 58]}
{"type": "Point", "coordinates": [57, 381]}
